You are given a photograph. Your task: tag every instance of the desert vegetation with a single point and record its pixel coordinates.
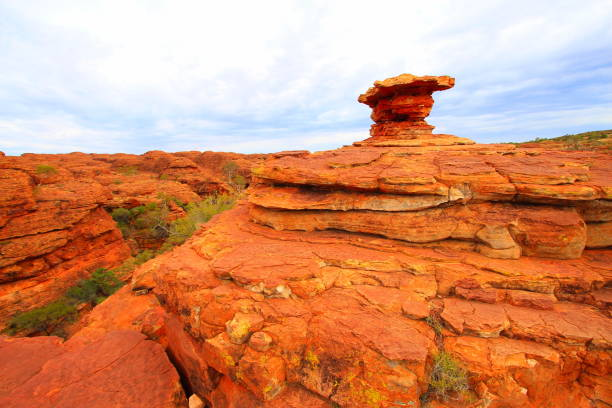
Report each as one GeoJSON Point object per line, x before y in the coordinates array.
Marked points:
{"type": "Point", "coordinates": [447, 379]}
{"type": "Point", "coordinates": [50, 319]}
{"type": "Point", "coordinates": [45, 169]}
{"type": "Point", "coordinates": [594, 140]}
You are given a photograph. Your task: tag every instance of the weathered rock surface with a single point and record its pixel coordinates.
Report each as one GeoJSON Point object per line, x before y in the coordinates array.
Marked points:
{"type": "Point", "coordinates": [121, 369]}
{"type": "Point", "coordinates": [399, 108]}
{"type": "Point", "coordinates": [383, 255]}
{"type": "Point", "coordinates": [53, 227]}
{"type": "Point", "coordinates": [139, 179]}
{"type": "Point", "coordinates": [258, 317]}
{"type": "Point", "coordinates": [498, 200]}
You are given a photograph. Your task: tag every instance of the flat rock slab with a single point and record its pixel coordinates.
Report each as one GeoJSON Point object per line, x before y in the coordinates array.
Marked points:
{"type": "Point", "coordinates": [121, 369]}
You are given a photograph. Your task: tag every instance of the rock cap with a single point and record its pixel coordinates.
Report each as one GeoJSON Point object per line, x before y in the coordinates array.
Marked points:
{"type": "Point", "coordinates": [404, 83]}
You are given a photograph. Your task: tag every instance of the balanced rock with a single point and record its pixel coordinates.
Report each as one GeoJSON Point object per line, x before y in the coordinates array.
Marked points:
{"type": "Point", "coordinates": [399, 108]}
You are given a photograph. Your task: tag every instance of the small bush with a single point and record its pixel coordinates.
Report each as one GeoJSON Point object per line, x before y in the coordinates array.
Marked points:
{"type": "Point", "coordinates": [144, 256]}
{"type": "Point", "coordinates": [47, 319]}
{"type": "Point", "coordinates": [101, 284]}
{"type": "Point", "coordinates": [127, 170]}
{"type": "Point", "coordinates": [121, 215]}
{"type": "Point", "coordinates": [45, 169]}
{"type": "Point", "coordinates": [117, 181]}
{"type": "Point", "coordinates": [43, 319]}
{"type": "Point", "coordinates": [434, 322]}
{"type": "Point", "coordinates": [447, 377]}
{"type": "Point", "coordinates": [197, 214]}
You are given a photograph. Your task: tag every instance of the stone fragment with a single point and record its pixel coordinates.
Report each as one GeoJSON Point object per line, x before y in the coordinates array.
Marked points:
{"type": "Point", "coordinates": [415, 309]}
{"type": "Point", "coordinates": [196, 402]}
{"type": "Point", "coordinates": [242, 326]}
{"type": "Point", "coordinates": [260, 341]}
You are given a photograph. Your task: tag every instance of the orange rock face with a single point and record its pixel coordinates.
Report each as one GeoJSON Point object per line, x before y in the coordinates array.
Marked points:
{"type": "Point", "coordinates": [497, 200]}
{"type": "Point", "coordinates": [122, 369]}
{"type": "Point", "coordinates": [53, 232]}
{"type": "Point", "coordinates": [53, 228]}
{"type": "Point", "coordinates": [256, 317]}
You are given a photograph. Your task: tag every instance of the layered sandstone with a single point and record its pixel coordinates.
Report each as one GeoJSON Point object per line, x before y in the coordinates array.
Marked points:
{"type": "Point", "coordinates": [498, 200]}
{"type": "Point", "coordinates": [348, 271]}
{"type": "Point", "coordinates": [139, 179]}
{"type": "Point", "coordinates": [53, 232]}
{"type": "Point", "coordinates": [399, 108]}
{"type": "Point", "coordinates": [258, 318]}
{"type": "Point", "coordinates": [54, 229]}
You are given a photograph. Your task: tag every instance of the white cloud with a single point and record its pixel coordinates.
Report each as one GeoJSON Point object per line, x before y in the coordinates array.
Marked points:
{"type": "Point", "coordinates": [57, 134]}
{"type": "Point", "coordinates": [182, 73]}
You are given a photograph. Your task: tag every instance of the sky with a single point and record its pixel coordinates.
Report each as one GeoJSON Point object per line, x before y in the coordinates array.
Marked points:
{"type": "Point", "coordinates": [263, 76]}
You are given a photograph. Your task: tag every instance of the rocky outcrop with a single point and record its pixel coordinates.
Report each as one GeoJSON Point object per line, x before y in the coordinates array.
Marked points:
{"type": "Point", "coordinates": [497, 200]}
{"type": "Point", "coordinates": [53, 232]}
{"type": "Point", "coordinates": [399, 108]}
{"type": "Point", "coordinates": [381, 256]}
{"type": "Point", "coordinates": [140, 179]}
{"type": "Point", "coordinates": [121, 369]}
{"type": "Point", "coordinates": [257, 317]}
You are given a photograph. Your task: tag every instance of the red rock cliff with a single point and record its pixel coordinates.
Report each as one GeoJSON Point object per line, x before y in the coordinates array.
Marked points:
{"type": "Point", "coordinates": [53, 232]}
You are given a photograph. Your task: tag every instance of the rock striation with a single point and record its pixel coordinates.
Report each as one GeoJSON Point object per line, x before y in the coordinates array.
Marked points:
{"type": "Point", "coordinates": [53, 232]}
{"type": "Point", "coordinates": [407, 184]}
{"type": "Point", "coordinates": [378, 258]}
{"type": "Point", "coordinates": [54, 229]}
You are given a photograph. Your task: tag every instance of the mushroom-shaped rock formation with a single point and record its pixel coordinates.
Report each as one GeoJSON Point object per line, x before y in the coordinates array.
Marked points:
{"type": "Point", "coordinates": [399, 108]}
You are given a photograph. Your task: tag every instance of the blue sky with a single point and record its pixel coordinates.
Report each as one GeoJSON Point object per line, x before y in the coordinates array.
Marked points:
{"type": "Point", "coordinates": [132, 76]}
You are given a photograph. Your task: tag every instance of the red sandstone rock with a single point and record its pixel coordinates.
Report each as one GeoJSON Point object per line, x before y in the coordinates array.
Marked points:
{"type": "Point", "coordinates": [119, 369]}
{"type": "Point", "coordinates": [350, 338]}
{"type": "Point", "coordinates": [502, 231]}
{"type": "Point", "coordinates": [399, 108]}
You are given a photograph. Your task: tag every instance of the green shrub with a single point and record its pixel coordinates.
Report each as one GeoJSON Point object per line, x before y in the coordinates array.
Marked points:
{"type": "Point", "coordinates": [121, 215]}
{"type": "Point", "coordinates": [447, 377]}
{"type": "Point", "coordinates": [197, 214]}
{"type": "Point", "coordinates": [239, 182]}
{"type": "Point", "coordinates": [434, 322]}
{"type": "Point", "coordinates": [43, 319]}
{"type": "Point", "coordinates": [127, 170]}
{"type": "Point", "coordinates": [117, 181]}
{"type": "Point", "coordinates": [144, 256]}
{"type": "Point", "coordinates": [45, 169]}
{"type": "Point", "coordinates": [101, 284]}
